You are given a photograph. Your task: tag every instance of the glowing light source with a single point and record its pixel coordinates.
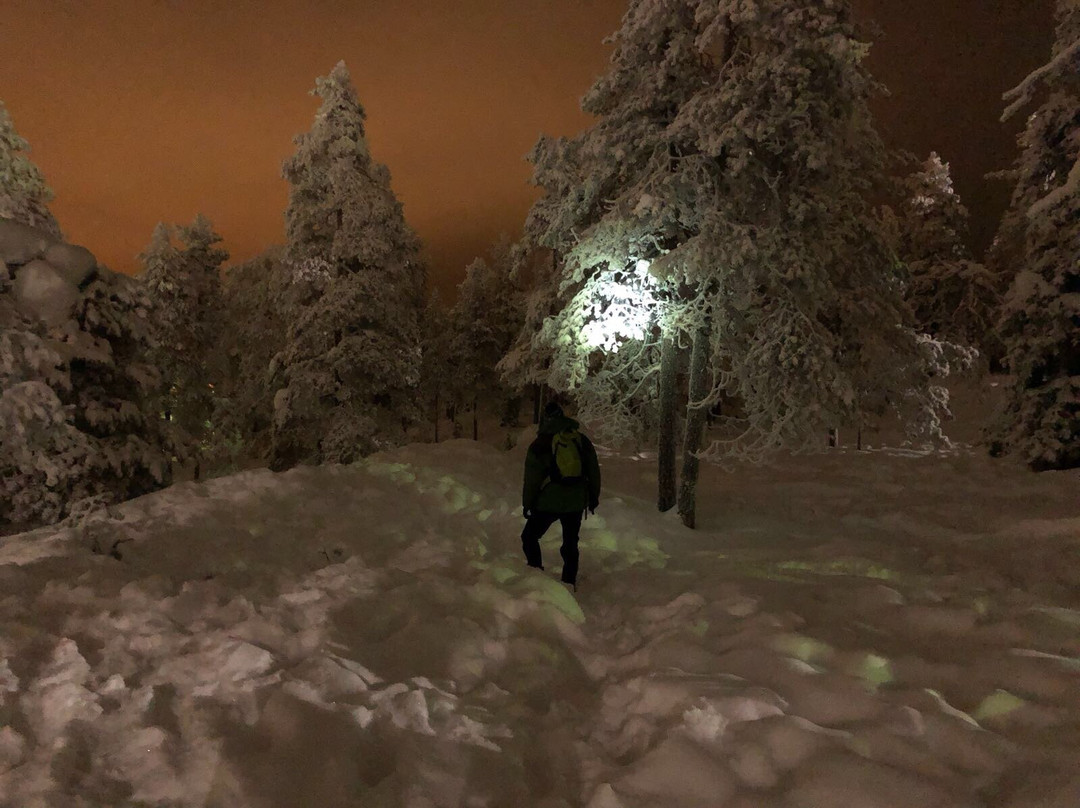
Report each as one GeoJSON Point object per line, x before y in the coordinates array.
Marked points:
{"type": "Point", "coordinates": [618, 306]}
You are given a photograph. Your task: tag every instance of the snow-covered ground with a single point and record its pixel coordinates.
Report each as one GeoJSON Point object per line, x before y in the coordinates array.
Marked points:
{"type": "Point", "coordinates": [859, 630]}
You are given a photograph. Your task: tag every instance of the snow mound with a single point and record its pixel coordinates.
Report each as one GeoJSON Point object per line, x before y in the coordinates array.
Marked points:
{"type": "Point", "coordinates": [42, 292]}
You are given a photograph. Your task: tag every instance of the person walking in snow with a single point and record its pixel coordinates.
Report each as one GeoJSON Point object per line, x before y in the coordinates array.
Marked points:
{"type": "Point", "coordinates": [562, 481]}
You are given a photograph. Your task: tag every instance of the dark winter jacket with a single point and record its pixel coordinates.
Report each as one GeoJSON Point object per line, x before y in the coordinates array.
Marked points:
{"type": "Point", "coordinates": [540, 492]}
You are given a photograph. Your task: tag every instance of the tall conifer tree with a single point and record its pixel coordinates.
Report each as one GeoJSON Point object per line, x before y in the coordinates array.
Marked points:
{"type": "Point", "coordinates": [1041, 314]}
{"type": "Point", "coordinates": [486, 319]}
{"type": "Point", "coordinates": [720, 202]}
{"type": "Point", "coordinates": [24, 196]}
{"type": "Point", "coordinates": [183, 282]}
{"type": "Point", "coordinates": [952, 295]}
{"type": "Point", "coordinates": [348, 375]}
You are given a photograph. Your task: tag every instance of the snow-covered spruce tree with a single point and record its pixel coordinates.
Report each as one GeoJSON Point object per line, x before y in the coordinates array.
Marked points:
{"type": "Point", "coordinates": [613, 201]}
{"type": "Point", "coordinates": [486, 319]}
{"type": "Point", "coordinates": [536, 271]}
{"type": "Point", "coordinates": [182, 277]}
{"type": "Point", "coordinates": [1041, 313]}
{"type": "Point", "coordinates": [952, 295]}
{"type": "Point", "coordinates": [76, 418]}
{"type": "Point", "coordinates": [24, 196]}
{"type": "Point", "coordinates": [41, 451]}
{"type": "Point", "coordinates": [114, 386]}
{"type": "Point", "coordinates": [350, 369]}
{"type": "Point", "coordinates": [808, 328]}
{"type": "Point", "coordinates": [254, 329]}
{"type": "Point", "coordinates": [723, 193]}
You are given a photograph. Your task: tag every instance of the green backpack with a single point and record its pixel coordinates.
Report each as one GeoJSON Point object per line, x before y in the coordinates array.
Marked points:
{"type": "Point", "coordinates": [566, 452]}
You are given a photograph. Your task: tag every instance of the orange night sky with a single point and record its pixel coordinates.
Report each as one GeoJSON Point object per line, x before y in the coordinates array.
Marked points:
{"type": "Point", "coordinates": [141, 111]}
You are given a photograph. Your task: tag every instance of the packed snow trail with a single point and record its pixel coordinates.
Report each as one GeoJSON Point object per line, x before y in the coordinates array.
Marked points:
{"type": "Point", "coordinates": [837, 634]}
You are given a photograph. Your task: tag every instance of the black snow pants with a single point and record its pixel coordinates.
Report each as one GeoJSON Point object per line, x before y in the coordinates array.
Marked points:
{"type": "Point", "coordinates": [537, 525]}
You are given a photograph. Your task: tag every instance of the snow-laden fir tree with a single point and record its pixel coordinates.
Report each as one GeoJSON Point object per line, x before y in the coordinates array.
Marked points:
{"type": "Point", "coordinates": [1041, 313]}
{"type": "Point", "coordinates": [76, 388]}
{"type": "Point", "coordinates": [77, 423]}
{"type": "Point", "coordinates": [597, 327]}
{"type": "Point", "coordinates": [41, 452]}
{"type": "Point", "coordinates": [953, 296]}
{"type": "Point", "coordinates": [255, 322]}
{"type": "Point", "coordinates": [24, 196]}
{"type": "Point", "coordinates": [114, 388]}
{"type": "Point", "coordinates": [536, 272]}
{"type": "Point", "coordinates": [809, 324]}
{"type": "Point", "coordinates": [720, 200]}
{"type": "Point", "coordinates": [486, 320]}
{"type": "Point", "coordinates": [348, 375]}
{"type": "Point", "coordinates": [182, 277]}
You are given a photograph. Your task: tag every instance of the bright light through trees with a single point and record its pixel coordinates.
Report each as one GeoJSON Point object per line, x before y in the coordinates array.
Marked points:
{"type": "Point", "coordinates": [618, 307]}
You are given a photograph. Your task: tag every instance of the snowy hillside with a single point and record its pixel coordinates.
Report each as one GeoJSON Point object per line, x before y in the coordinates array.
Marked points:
{"type": "Point", "coordinates": [861, 630]}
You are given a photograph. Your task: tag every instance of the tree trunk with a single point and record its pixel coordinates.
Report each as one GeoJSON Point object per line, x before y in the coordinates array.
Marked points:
{"type": "Point", "coordinates": [437, 416]}
{"type": "Point", "coordinates": [475, 424]}
{"type": "Point", "coordinates": [665, 459]}
{"type": "Point", "coordinates": [695, 427]}
{"type": "Point", "coordinates": [834, 438]}
{"type": "Point", "coordinates": [536, 405]}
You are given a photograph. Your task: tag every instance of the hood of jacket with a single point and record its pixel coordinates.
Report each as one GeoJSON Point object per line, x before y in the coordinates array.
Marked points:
{"type": "Point", "coordinates": [550, 425]}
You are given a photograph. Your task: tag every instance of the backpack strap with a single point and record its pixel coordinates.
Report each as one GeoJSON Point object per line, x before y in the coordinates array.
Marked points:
{"type": "Point", "coordinates": [554, 474]}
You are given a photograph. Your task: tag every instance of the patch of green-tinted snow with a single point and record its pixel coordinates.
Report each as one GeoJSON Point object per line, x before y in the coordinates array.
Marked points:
{"type": "Point", "coordinates": [502, 574]}
{"type": "Point", "coordinates": [398, 472]}
{"type": "Point", "coordinates": [629, 549]}
{"type": "Point", "coordinates": [859, 567]}
{"type": "Point", "coordinates": [801, 647]}
{"type": "Point", "coordinates": [643, 550]}
{"type": "Point", "coordinates": [861, 747]}
{"type": "Point", "coordinates": [548, 653]}
{"type": "Point", "coordinates": [997, 704]}
{"type": "Point", "coordinates": [600, 540]}
{"type": "Point", "coordinates": [759, 570]}
{"type": "Point", "coordinates": [875, 671]}
{"type": "Point", "coordinates": [555, 594]}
